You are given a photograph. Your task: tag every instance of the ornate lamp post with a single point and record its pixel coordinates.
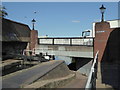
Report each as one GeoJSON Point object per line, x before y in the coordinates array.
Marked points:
{"type": "Point", "coordinates": [33, 22]}
{"type": "Point", "coordinates": [102, 9]}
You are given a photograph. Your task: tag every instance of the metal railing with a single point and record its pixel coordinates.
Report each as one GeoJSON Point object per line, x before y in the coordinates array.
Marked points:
{"type": "Point", "coordinates": [91, 82]}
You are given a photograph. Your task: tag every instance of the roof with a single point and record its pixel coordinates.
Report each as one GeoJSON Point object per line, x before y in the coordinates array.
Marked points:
{"type": "Point", "coordinates": [114, 23]}
{"type": "Point", "coordinates": [15, 31]}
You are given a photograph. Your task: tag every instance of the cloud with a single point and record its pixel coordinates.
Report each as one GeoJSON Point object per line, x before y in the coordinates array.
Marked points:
{"type": "Point", "coordinates": [76, 21]}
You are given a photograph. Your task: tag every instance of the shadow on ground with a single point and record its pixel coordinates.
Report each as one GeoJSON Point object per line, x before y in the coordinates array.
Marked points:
{"type": "Point", "coordinates": [78, 63]}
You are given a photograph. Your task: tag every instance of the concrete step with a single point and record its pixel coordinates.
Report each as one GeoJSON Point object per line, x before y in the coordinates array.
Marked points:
{"type": "Point", "coordinates": [51, 83]}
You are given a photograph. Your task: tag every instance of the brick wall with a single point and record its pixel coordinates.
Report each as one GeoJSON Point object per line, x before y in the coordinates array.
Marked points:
{"type": "Point", "coordinates": [107, 41]}
{"type": "Point", "coordinates": [102, 32]}
{"type": "Point", "coordinates": [33, 39]}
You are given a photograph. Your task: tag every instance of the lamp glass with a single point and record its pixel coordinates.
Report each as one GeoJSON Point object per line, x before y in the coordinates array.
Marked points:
{"type": "Point", "coordinates": [102, 10]}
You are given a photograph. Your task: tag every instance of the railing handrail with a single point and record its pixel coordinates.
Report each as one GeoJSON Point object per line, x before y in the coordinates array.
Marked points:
{"type": "Point", "coordinates": [65, 37]}
{"type": "Point", "coordinates": [91, 71]}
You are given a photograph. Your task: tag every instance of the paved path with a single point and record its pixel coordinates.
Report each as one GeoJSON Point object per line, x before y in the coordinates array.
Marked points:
{"type": "Point", "coordinates": [86, 68]}
{"type": "Point", "coordinates": [78, 82]}
{"type": "Point", "coordinates": [29, 75]}
{"type": "Point", "coordinates": [81, 77]}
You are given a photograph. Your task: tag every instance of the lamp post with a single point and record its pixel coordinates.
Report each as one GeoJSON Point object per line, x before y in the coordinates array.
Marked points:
{"type": "Point", "coordinates": [102, 9]}
{"type": "Point", "coordinates": [33, 22]}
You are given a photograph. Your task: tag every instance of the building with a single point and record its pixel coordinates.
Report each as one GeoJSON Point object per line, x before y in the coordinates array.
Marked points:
{"type": "Point", "coordinates": [15, 38]}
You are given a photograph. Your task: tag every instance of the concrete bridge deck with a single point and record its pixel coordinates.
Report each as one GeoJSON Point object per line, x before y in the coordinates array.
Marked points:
{"type": "Point", "coordinates": [70, 51]}
{"type": "Point", "coordinates": [66, 46]}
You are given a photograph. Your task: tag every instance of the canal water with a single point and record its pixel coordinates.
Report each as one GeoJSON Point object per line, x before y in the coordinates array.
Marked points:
{"type": "Point", "coordinates": [67, 60]}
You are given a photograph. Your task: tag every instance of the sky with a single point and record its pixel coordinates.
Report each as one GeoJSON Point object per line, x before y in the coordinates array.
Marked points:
{"type": "Point", "coordinates": [57, 19]}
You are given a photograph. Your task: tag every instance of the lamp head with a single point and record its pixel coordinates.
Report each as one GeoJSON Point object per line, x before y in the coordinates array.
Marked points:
{"type": "Point", "coordinates": [102, 9]}
{"type": "Point", "coordinates": [33, 20]}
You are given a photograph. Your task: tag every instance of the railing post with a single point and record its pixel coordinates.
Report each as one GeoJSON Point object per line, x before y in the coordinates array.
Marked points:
{"type": "Point", "coordinates": [38, 40]}
{"type": "Point", "coordinates": [71, 41]}
{"type": "Point", "coordinates": [53, 41]}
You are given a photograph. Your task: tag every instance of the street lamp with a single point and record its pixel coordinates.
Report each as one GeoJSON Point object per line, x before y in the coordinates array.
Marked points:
{"type": "Point", "coordinates": [33, 22]}
{"type": "Point", "coordinates": [102, 9]}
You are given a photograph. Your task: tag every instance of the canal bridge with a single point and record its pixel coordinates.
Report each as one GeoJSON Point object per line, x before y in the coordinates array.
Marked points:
{"type": "Point", "coordinates": [65, 46]}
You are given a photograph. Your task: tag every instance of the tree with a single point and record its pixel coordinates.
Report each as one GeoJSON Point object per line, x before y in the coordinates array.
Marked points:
{"type": "Point", "coordinates": [3, 13]}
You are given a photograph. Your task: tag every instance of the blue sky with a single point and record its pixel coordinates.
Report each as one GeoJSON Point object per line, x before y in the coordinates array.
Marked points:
{"type": "Point", "coordinates": [60, 18]}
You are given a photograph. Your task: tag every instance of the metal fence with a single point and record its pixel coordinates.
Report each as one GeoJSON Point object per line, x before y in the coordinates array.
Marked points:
{"type": "Point", "coordinates": [91, 82]}
{"type": "Point", "coordinates": [66, 41]}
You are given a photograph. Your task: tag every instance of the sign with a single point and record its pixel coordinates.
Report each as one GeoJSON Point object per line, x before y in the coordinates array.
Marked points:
{"type": "Point", "coordinates": [100, 31]}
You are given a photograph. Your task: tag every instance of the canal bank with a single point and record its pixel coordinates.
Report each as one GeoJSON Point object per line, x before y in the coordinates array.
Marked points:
{"type": "Point", "coordinates": [45, 71]}
{"type": "Point", "coordinates": [81, 65]}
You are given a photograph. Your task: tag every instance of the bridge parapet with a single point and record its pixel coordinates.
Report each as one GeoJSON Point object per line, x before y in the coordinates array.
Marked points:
{"type": "Point", "coordinates": [66, 41]}
{"type": "Point", "coordinates": [66, 46]}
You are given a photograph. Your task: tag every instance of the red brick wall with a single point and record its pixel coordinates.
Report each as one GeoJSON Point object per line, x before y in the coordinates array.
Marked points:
{"type": "Point", "coordinates": [33, 39]}
{"type": "Point", "coordinates": [102, 32]}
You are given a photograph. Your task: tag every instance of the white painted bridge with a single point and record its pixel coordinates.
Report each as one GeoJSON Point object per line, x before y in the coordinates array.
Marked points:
{"type": "Point", "coordinates": [67, 46]}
